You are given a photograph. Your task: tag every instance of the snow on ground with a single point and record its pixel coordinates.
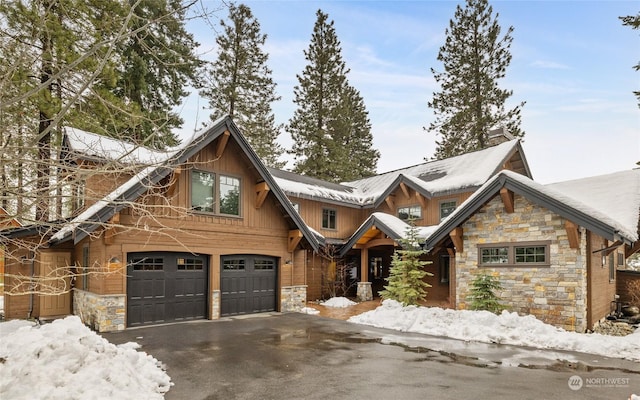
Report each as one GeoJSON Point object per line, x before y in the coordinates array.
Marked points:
{"type": "Point", "coordinates": [66, 360]}
{"type": "Point", "coordinates": [338, 302]}
{"type": "Point", "coordinates": [506, 328]}
{"type": "Point", "coordinates": [309, 310]}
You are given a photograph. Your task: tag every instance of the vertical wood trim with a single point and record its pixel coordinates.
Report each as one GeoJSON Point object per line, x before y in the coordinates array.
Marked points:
{"type": "Point", "coordinates": [364, 265]}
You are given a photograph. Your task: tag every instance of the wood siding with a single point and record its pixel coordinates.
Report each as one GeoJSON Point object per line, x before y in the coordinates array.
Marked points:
{"type": "Point", "coordinates": [348, 219]}
{"type": "Point", "coordinates": [601, 290]}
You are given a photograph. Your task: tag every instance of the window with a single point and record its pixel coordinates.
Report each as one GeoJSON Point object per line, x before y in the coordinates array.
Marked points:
{"type": "Point", "coordinates": [229, 195]}
{"type": "Point", "coordinates": [533, 254]}
{"type": "Point", "coordinates": [612, 268]}
{"type": "Point", "coordinates": [147, 264]}
{"type": "Point", "coordinates": [205, 198]}
{"type": "Point", "coordinates": [620, 260]}
{"type": "Point", "coordinates": [233, 265]}
{"type": "Point", "coordinates": [202, 191]}
{"type": "Point", "coordinates": [190, 264]}
{"type": "Point", "coordinates": [264, 265]}
{"type": "Point", "coordinates": [328, 218]}
{"type": "Point", "coordinates": [494, 255]}
{"type": "Point", "coordinates": [410, 213]}
{"type": "Point", "coordinates": [445, 264]}
{"type": "Point", "coordinates": [446, 208]}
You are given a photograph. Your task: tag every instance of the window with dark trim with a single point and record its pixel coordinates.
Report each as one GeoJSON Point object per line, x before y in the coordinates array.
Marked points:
{"type": "Point", "coordinates": [445, 264]}
{"type": "Point", "coordinates": [233, 265]}
{"type": "Point", "coordinates": [225, 200]}
{"type": "Point", "coordinates": [526, 254]}
{"type": "Point", "coordinates": [620, 260]}
{"type": "Point", "coordinates": [328, 218]}
{"type": "Point", "coordinates": [410, 213]}
{"type": "Point", "coordinates": [229, 195]}
{"type": "Point", "coordinates": [190, 264]}
{"type": "Point", "coordinates": [446, 208]}
{"type": "Point", "coordinates": [202, 190]}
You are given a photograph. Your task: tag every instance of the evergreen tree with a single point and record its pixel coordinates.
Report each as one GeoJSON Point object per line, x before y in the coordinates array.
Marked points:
{"type": "Point", "coordinates": [330, 128]}
{"type": "Point", "coordinates": [241, 84]}
{"type": "Point", "coordinates": [483, 295]}
{"type": "Point", "coordinates": [158, 62]}
{"type": "Point", "coordinates": [634, 23]}
{"type": "Point", "coordinates": [470, 102]}
{"type": "Point", "coordinates": [405, 281]}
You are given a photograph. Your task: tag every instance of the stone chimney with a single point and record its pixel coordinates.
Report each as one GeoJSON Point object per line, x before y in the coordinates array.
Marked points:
{"type": "Point", "coordinates": [499, 135]}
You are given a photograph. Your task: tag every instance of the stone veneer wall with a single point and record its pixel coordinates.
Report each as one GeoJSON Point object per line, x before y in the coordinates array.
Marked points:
{"type": "Point", "coordinates": [293, 298]}
{"type": "Point", "coordinates": [215, 304]}
{"type": "Point", "coordinates": [556, 294]}
{"type": "Point", "coordinates": [102, 313]}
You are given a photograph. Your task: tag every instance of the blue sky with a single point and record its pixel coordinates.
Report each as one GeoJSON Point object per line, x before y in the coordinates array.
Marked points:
{"type": "Point", "coordinates": [572, 63]}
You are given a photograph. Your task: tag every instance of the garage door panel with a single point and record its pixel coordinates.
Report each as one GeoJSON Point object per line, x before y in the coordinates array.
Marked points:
{"type": "Point", "coordinates": [165, 287]}
{"type": "Point", "coordinates": [248, 284]}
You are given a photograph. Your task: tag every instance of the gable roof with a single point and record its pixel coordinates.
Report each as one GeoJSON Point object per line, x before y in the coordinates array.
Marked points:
{"type": "Point", "coordinates": [589, 202]}
{"type": "Point", "coordinates": [461, 173]}
{"type": "Point", "coordinates": [161, 165]}
{"type": "Point", "coordinates": [390, 225]}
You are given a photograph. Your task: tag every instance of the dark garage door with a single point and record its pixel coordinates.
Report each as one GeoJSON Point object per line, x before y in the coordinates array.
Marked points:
{"type": "Point", "coordinates": [247, 284]}
{"type": "Point", "coordinates": [166, 287]}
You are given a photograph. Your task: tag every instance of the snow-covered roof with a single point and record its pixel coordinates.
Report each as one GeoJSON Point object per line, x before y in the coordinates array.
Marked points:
{"type": "Point", "coordinates": [390, 225]}
{"type": "Point", "coordinates": [608, 205]}
{"type": "Point", "coordinates": [99, 147]}
{"type": "Point", "coordinates": [467, 171]}
{"type": "Point", "coordinates": [155, 166]}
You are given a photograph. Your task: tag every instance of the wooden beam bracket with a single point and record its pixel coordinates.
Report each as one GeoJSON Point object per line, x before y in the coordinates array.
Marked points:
{"type": "Point", "coordinates": [262, 190]}
{"type": "Point", "coordinates": [111, 229]}
{"type": "Point", "coordinates": [508, 200]}
{"type": "Point", "coordinates": [456, 238]}
{"type": "Point", "coordinates": [572, 234]}
{"type": "Point", "coordinates": [391, 204]}
{"type": "Point", "coordinates": [222, 143]}
{"type": "Point", "coordinates": [295, 236]}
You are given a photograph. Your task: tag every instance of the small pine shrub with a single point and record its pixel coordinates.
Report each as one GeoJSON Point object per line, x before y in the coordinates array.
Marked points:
{"type": "Point", "coordinates": [405, 281]}
{"type": "Point", "coordinates": [483, 296]}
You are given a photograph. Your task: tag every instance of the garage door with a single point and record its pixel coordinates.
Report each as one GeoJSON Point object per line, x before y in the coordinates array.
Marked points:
{"type": "Point", "coordinates": [247, 284]}
{"type": "Point", "coordinates": [166, 287]}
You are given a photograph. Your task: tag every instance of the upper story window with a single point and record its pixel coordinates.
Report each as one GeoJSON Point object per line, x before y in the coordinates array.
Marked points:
{"type": "Point", "coordinates": [410, 213]}
{"type": "Point", "coordinates": [446, 208]}
{"type": "Point", "coordinates": [202, 191]}
{"type": "Point", "coordinates": [328, 218]}
{"type": "Point", "coordinates": [204, 196]}
{"type": "Point", "coordinates": [229, 195]}
{"type": "Point", "coordinates": [514, 254]}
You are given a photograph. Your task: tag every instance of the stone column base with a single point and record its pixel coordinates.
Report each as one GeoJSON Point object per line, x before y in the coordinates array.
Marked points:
{"type": "Point", "coordinates": [215, 304]}
{"type": "Point", "coordinates": [293, 298]}
{"type": "Point", "coordinates": [364, 291]}
{"type": "Point", "coordinates": [102, 313]}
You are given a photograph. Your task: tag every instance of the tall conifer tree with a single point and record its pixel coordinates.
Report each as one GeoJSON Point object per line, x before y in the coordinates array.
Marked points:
{"type": "Point", "coordinates": [330, 128]}
{"type": "Point", "coordinates": [470, 102]}
{"type": "Point", "coordinates": [241, 84]}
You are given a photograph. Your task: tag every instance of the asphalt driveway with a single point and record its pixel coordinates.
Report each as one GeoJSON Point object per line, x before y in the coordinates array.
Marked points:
{"type": "Point", "coordinates": [298, 356]}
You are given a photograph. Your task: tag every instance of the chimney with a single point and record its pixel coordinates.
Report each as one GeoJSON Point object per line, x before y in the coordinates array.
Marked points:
{"type": "Point", "coordinates": [498, 136]}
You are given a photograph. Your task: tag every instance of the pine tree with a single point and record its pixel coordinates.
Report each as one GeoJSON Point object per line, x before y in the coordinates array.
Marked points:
{"type": "Point", "coordinates": [330, 128]}
{"type": "Point", "coordinates": [405, 281]}
{"type": "Point", "coordinates": [634, 23]}
{"type": "Point", "coordinates": [483, 295]}
{"type": "Point", "coordinates": [470, 102]}
{"type": "Point", "coordinates": [241, 84]}
{"type": "Point", "coordinates": [159, 61]}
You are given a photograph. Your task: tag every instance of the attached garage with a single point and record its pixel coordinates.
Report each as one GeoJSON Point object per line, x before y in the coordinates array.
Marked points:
{"type": "Point", "coordinates": [166, 287]}
{"type": "Point", "coordinates": [247, 284]}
